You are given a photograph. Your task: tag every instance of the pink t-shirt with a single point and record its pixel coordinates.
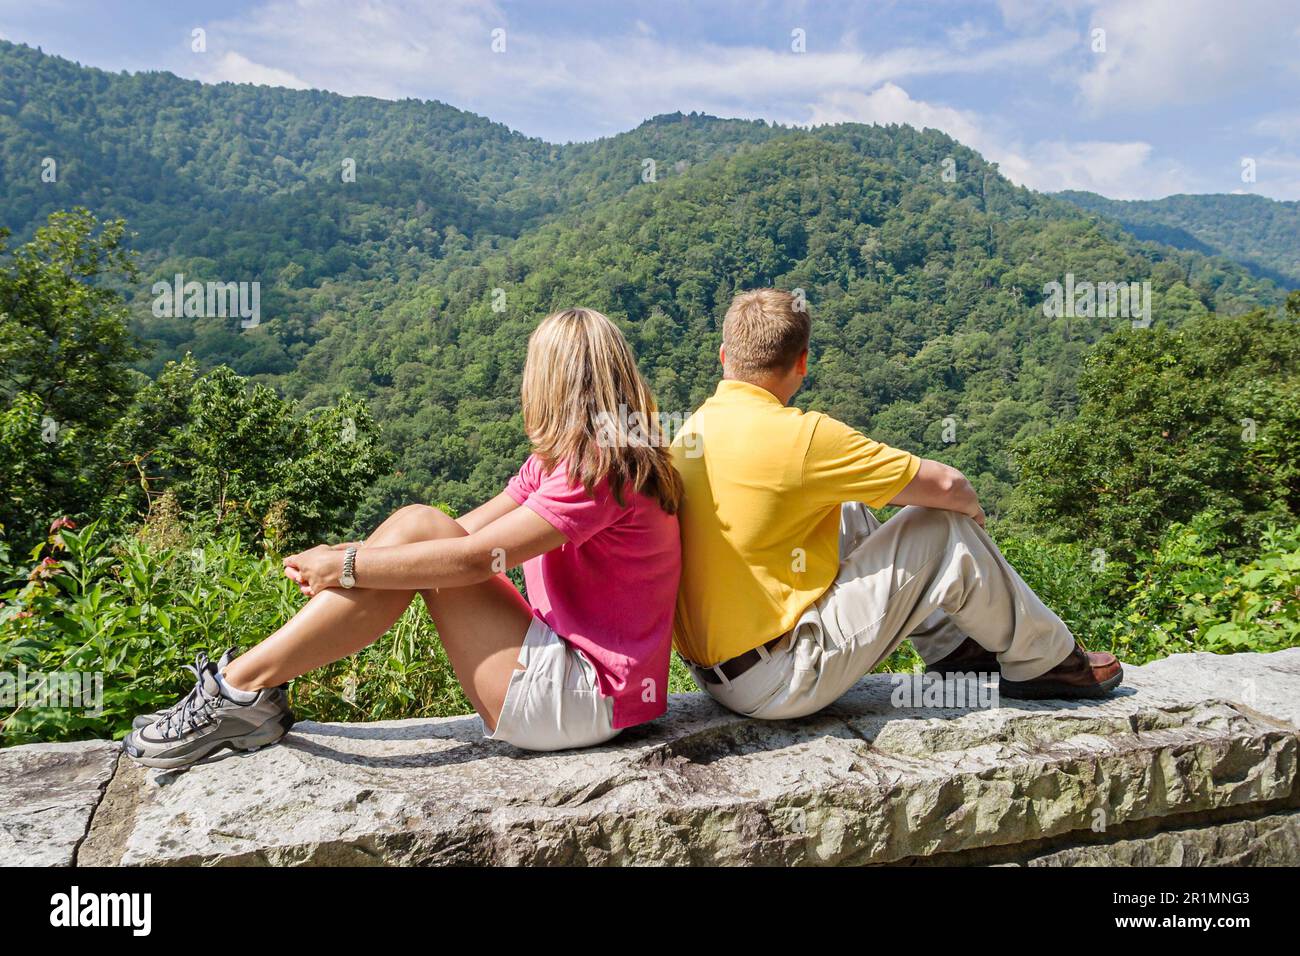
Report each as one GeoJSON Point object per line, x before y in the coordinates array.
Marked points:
{"type": "Point", "coordinates": [611, 590]}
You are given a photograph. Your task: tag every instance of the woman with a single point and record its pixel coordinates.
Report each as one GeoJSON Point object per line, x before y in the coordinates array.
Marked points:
{"type": "Point", "coordinates": [591, 516]}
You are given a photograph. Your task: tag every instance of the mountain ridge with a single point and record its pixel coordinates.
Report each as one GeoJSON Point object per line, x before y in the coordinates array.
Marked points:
{"type": "Point", "coordinates": [416, 284]}
{"type": "Point", "coordinates": [1260, 233]}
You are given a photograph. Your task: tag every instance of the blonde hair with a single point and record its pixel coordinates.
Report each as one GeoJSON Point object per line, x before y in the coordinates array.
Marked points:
{"type": "Point", "coordinates": [581, 388]}
{"type": "Point", "coordinates": [764, 331]}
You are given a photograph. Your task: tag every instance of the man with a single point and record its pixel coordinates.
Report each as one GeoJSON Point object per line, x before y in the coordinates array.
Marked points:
{"type": "Point", "coordinates": [791, 589]}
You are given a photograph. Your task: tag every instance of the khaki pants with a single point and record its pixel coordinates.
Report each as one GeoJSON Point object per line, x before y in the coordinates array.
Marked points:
{"type": "Point", "coordinates": [934, 576]}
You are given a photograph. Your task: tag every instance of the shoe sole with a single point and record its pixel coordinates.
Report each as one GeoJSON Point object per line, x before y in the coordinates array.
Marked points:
{"type": "Point", "coordinates": [263, 736]}
{"type": "Point", "coordinates": [1050, 690]}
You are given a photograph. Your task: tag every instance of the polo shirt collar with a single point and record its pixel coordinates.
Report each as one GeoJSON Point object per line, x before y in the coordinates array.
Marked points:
{"type": "Point", "coordinates": [734, 388]}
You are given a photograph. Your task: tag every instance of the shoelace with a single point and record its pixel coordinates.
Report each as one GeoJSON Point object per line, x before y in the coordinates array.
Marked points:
{"type": "Point", "coordinates": [196, 706]}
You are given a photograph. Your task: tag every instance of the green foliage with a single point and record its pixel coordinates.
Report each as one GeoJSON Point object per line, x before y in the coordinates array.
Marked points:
{"type": "Point", "coordinates": [238, 457]}
{"type": "Point", "coordinates": [1261, 233]}
{"type": "Point", "coordinates": [1172, 422]}
{"type": "Point", "coordinates": [84, 436]}
{"type": "Point", "coordinates": [134, 612]}
{"type": "Point", "coordinates": [64, 350]}
{"type": "Point", "coordinates": [1189, 596]}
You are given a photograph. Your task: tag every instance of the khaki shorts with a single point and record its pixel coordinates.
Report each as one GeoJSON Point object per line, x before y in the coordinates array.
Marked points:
{"type": "Point", "coordinates": [554, 703]}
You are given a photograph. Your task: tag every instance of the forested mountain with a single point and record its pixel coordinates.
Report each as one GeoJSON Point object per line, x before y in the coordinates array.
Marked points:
{"type": "Point", "coordinates": [415, 285]}
{"type": "Point", "coordinates": [1142, 477]}
{"type": "Point", "coordinates": [1260, 233]}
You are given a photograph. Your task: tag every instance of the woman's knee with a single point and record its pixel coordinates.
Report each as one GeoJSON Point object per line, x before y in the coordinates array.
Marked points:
{"type": "Point", "coordinates": [416, 523]}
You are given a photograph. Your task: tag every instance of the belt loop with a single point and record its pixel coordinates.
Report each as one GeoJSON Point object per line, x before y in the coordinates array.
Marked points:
{"type": "Point", "coordinates": [763, 655]}
{"type": "Point", "coordinates": [726, 681]}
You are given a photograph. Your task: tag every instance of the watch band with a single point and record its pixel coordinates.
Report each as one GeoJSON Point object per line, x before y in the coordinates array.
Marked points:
{"type": "Point", "coordinates": [349, 576]}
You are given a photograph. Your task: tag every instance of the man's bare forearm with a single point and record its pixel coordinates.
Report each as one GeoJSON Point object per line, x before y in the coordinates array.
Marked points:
{"type": "Point", "coordinates": [937, 485]}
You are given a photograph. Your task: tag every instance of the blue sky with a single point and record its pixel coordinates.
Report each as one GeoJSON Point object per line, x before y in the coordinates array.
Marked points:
{"type": "Point", "coordinates": [1170, 96]}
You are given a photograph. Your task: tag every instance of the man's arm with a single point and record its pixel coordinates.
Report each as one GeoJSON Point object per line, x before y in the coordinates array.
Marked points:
{"type": "Point", "coordinates": [937, 485]}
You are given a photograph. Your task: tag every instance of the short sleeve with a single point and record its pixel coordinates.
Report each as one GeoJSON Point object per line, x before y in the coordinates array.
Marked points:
{"type": "Point", "coordinates": [525, 482]}
{"type": "Point", "coordinates": [567, 508]}
{"type": "Point", "coordinates": [843, 464]}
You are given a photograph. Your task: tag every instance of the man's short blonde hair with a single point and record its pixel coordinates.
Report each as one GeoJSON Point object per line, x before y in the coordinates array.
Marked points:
{"type": "Point", "coordinates": [765, 330]}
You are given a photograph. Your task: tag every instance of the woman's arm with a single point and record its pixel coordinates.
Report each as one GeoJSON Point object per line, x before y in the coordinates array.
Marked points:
{"type": "Point", "coordinates": [486, 513]}
{"type": "Point", "coordinates": [508, 541]}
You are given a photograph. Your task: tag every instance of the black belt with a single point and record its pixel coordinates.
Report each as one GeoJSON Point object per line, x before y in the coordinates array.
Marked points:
{"type": "Point", "coordinates": [734, 667]}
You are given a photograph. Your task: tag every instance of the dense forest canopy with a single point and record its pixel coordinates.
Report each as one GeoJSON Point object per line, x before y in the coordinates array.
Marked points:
{"type": "Point", "coordinates": [1139, 469]}
{"type": "Point", "coordinates": [414, 283]}
{"type": "Point", "coordinates": [1262, 234]}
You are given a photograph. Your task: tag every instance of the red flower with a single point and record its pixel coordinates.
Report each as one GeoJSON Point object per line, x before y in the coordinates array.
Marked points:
{"type": "Point", "coordinates": [61, 523]}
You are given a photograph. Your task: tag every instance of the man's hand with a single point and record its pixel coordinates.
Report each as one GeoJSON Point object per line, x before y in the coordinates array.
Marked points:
{"type": "Point", "coordinates": [315, 570]}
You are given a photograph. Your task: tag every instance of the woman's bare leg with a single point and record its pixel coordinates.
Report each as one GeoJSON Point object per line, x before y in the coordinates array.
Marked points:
{"type": "Point", "coordinates": [481, 626]}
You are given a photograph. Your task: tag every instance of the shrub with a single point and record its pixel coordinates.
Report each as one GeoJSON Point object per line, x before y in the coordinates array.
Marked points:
{"type": "Point", "coordinates": [135, 612]}
{"type": "Point", "coordinates": [1189, 597]}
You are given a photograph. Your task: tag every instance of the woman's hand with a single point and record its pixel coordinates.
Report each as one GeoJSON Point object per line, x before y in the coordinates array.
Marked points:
{"type": "Point", "coordinates": [315, 570]}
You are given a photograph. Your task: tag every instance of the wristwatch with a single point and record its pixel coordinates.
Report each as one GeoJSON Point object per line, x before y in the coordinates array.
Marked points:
{"type": "Point", "coordinates": [348, 578]}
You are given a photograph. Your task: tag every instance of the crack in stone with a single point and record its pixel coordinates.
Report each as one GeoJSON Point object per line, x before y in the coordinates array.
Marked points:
{"type": "Point", "coordinates": [99, 799]}
{"type": "Point", "coordinates": [1181, 774]}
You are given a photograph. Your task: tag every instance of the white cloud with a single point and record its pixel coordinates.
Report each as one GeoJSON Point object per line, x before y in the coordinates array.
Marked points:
{"type": "Point", "coordinates": [1278, 175]}
{"type": "Point", "coordinates": [235, 68]}
{"type": "Point", "coordinates": [890, 103]}
{"type": "Point", "coordinates": [401, 48]}
{"type": "Point", "coordinates": [1174, 52]}
{"type": "Point", "coordinates": [1284, 126]}
{"type": "Point", "coordinates": [1122, 170]}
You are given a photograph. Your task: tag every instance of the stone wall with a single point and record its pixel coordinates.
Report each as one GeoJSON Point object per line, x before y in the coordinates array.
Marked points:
{"type": "Point", "coordinates": [1194, 763]}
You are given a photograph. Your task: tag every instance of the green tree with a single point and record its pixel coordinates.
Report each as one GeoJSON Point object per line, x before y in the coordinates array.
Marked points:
{"type": "Point", "coordinates": [64, 354]}
{"type": "Point", "coordinates": [235, 456]}
{"type": "Point", "coordinates": [1173, 422]}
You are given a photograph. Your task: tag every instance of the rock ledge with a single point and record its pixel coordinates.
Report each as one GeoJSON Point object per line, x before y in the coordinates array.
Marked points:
{"type": "Point", "coordinates": [1195, 764]}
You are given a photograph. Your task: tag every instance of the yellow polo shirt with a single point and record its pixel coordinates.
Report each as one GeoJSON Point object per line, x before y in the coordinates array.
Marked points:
{"type": "Point", "coordinates": [761, 514]}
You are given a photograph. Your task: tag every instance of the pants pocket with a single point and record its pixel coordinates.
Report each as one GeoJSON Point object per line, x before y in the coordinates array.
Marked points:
{"type": "Point", "coordinates": [808, 652]}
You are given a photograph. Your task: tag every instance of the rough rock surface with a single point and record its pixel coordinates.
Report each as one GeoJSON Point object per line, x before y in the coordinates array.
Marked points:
{"type": "Point", "coordinates": [1265, 841]}
{"type": "Point", "coordinates": [47, 795]}
{"type": "Point", "coordinates": [1194, 763]}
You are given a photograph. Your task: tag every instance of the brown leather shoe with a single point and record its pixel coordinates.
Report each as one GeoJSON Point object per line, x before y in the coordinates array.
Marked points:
{"type": "Point", "coordinates": [1082, 674]}
{"type": "Point", "coordinates": [968, 657]}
